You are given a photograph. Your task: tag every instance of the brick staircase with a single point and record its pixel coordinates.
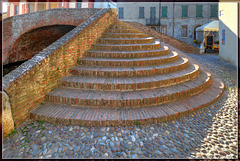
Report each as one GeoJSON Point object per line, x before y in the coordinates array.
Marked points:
{"type": "Point", "coordinates": [128, 78]}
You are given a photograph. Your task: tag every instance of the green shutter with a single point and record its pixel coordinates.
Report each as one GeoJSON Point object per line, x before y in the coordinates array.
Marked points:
{"type": "Point", "coordinates": [214, 11]}
{"type": "Point", "coordinates": [184, 11]}
{"type": "Point", "coordinates": [164, 11]}
{"type": "Point", "coordinates": [199, 11]}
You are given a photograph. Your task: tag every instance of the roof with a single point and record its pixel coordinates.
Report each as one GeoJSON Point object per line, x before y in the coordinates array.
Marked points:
{"type": "Point", "coordinates": [211, 26]}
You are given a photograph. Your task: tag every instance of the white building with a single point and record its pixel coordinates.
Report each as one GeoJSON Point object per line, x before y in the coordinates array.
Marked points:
{"type": "Point", "coordinates": [178, 20]}
{"type": "Point", "coordinates": [228, 31]}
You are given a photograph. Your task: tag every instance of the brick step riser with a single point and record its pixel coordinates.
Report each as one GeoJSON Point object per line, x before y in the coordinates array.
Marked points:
{"type": "Point", "coordinates": [120, 27]}
{"type": "Point", "coordinates": [132, 116]}
{"type": "Point", "coordinates": [128, 103]}
{"type": "Point", "coordinates": [127, 48]}
{"type": "Point", "coordinates": [128, 63]}
{"type": "Point", "coordinates": [112, 41]}
{"type": "Point", "coordinates": [123, 36]}
{"type": "Point", "coordinates": [129, 73]}
{"type": "Point", "coordinates": [126, 55]}
{"type": "Point", "coordinates": [123, 31]}
{"type": "Point", "coordinates": [131, 86]}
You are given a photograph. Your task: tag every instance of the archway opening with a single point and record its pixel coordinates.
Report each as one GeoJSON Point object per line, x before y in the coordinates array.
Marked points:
{"type": "Point", "coordinates": [195, 32]}
{"type": "Point", "coordinates": [32, 42]}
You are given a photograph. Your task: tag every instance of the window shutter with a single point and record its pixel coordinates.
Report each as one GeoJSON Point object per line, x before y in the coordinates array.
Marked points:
{"type": "Point", "coordinates": [120, 14]}
{"type": "Point", "coordinates": [184, 11]}
{"type": "Point", "coordinates": [199, 11]}
{"type": "Point", "coordinates": [152, 12]}
{"type": "Point", "coordinates": [164, 11]}
{"type": "Point", "coordinates": [214, 11]}
{"type": "Point", "coordinates": [141, 12]}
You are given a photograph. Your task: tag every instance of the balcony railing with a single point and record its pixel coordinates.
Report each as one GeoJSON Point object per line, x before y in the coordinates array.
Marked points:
{"type": "Point", "coordinates": [152, 21]}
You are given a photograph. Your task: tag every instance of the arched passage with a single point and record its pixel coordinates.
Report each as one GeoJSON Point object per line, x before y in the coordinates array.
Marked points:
{"type": "Point", "coordinates": [153, 28]}
{"type": "Point", "coordinates": [34, 41]}
{"type": "Point", "coordinates": [195, 34]}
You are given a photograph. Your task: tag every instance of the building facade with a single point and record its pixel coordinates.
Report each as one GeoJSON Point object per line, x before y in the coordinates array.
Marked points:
{"type": "Point", "coordinates": [26, 6]}
{"type": "Point", "coordinates": [178, 20]}
{"type": "Point", "coordinates": [228, 31]}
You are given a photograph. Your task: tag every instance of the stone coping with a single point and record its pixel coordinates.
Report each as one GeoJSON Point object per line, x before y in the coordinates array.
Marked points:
{"type": "Point", "coordinates": [49, 10]}
{"type": "Point", "coordinates": [28, 65]}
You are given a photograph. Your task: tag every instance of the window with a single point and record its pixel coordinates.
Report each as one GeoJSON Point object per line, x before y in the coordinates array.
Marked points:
{"type": "Point", "coordinates": [120, 12]}
{"type": "Point", "coordinates": [164, 29]}
{"type": "Point", "coordinates": [152, 12]}
{"type": "Point", "coordinates": [184, 11]}
{"type": "Point", "coordinates": [184, 31]}
{"type": "Point", "coordinates": [199, 11]}
{"type": "Point", "coordinates": [164, 11]}
{"type": "Point", "coordinates": [78, 5]}
{"type": "Point", "coordinates": [214, 11]}
{"type": "Point", "coordinates": [16, 10]}
{"type": "Point", "coordinates": [141, 12]}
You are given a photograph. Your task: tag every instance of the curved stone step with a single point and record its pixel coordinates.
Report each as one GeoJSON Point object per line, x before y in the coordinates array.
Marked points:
{"type": "Point", "coordinates": [127, 54]}
{"type": "Point", "coordinates": [126, 40]}
{"type": "Point", "coordinates": [86, 116]}
{"type": "Point", "coordinates": [123, 31]}
{"type": "Point", "coordinates": [131, 83]}
{"type": "Point", "coordinates": [97, 71]}
{"type": "Point", "coordinates": [124, 35]}
{"type": "Point", "coordinates": [119, 99]}
{"type": "Point", "coordinates": [127, 47]}
{"type": "Point", "coordinates": [118, 62]}
{"type": "Point", "coordinates": [114, 26]}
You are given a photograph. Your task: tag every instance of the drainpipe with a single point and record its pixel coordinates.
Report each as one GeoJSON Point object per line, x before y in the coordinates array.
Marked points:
{"type": "Point", "coordinates": [238, 36]}
{"type": "Point", "coordinates": [159, 16]}
{"type": "Point", "coordinates": [173, 16]}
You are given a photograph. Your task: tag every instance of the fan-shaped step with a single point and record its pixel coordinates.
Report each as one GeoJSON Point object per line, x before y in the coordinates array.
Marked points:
{"type": "Point", "coordinates": [98, 71]}
{"type": "Point", "coordinates": [126, 40]}
{"type": "Point", "coordinates": [115, 99]}
{"type": "Point", "coordinates": [127, 47]}
{"type": "Point", "coordinates": [124, 35]}
{"type": "Point", "coordinates": [117, 62]}
{"type": "Point", "coordinates": [66, 114]}
{"type": "Point", "coordinates": [128, 54]}
{"type": "Point", "coordinates": [131, 83]}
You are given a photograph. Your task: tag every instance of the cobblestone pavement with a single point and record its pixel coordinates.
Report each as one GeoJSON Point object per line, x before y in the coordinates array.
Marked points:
{"type": "Point", "coordinates": [207, 133]}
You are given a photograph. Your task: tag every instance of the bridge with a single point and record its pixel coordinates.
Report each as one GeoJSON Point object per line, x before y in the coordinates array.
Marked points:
{"type": "Point", "coordinates": [27, 34]}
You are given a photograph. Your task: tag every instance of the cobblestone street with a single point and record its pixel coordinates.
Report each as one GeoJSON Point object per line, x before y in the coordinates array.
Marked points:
{"type": "Point", "coordinates": [208, 133]}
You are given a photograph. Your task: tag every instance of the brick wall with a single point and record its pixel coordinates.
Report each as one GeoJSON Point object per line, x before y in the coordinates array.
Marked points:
{"type": "Point", "coordinates": [31, 43]}
{"type": "Point", "coordinates": [14, 27]}
{"type": "Point", "coordinates": [183, 46]}
{"type": "Point", "coordinates": [27, 85]}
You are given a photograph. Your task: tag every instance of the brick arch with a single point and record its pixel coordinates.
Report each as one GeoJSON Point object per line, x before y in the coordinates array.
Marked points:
{"type": "Point", "coordinates": [34, 41]}
{"type": "Point", "coordinates": [16, 26]}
